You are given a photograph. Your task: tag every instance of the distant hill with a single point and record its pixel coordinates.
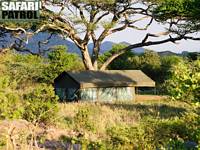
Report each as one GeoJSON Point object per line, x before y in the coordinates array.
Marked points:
{"type": "Point", "coordinates": [105, 46]}
{"type": "Point", "coordinates": [167, 53]}
{"type": "Point", "coordinates": [57, 40]}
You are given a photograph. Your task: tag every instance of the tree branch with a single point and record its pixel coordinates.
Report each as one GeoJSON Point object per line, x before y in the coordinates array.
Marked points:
{"type": "Point", "coordinates": [142, 44]}
{"type": "Point", "coordinates": [100, 17]}
{"type": "Point", "coordinates": [18, 29]}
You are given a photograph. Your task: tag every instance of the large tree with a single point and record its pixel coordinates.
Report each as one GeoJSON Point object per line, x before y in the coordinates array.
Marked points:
{"type": "Point", "coordinates": [85, 21]}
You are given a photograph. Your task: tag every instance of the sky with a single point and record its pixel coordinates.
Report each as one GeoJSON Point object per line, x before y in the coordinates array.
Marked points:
{"type": "Point", "coordinates": [132, 36]}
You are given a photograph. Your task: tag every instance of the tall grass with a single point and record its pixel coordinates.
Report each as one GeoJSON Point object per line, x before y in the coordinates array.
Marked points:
{"type": "Point", "coordinates": [117, 125]}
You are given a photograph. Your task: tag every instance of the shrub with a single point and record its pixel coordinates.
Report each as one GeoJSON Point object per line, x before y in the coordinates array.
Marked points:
{"type": "Point", "coordinates": [178, 133]}
{"type": "Point", "coordinates": [128, 137]}
{"type": "Point", "coordinates": [25, 69]}
{"type": "Point", "coordinates": [82, 120]}
{"type": "Point", "coordinates": [60, 60]}
{"type": "Point", "coordinates": [174, 133]}
{"type": "Point", "coordinates": [10, 104]}
{"type": "Point", "coordinates": [184, 82]}
{"type": "Point", "coordinates": [41, 104]}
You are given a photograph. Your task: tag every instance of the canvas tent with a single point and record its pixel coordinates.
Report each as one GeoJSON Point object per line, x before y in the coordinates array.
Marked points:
{"type": "Point", "coordinates": [108, 85]}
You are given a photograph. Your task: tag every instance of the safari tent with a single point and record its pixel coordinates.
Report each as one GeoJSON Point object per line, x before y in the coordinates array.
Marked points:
{"type": "Point", "coordinates": [108, 85]}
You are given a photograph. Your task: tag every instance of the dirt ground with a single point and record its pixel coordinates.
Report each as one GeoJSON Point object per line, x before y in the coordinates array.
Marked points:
{"type": "Point", "coordinates": [150, 97]}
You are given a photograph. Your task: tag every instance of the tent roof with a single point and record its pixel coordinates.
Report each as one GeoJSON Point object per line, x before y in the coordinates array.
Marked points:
{"type": "Point", "coordinates": [109, 78]}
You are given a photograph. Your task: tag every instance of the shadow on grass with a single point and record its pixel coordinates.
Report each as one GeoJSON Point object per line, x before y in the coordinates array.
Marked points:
{"type": "Point", "coordinates": [55, 145]}
{"type": "Point", "coordinates": [162, 111]}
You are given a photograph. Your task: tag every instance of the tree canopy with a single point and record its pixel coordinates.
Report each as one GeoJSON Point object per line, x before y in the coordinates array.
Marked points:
{"type": "Point", "coordinates": [183, 14]}
{"type": "Point", "coordinates": [88, 21]}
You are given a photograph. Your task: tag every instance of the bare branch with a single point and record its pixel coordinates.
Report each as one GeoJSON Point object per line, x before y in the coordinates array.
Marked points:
{"type": "Point", "coordinates": [138, 28]}
{"type": "Point", "coordinates": [67, 29]}
{"type": "Point", "coordinates": [18, 29]}
{"type": "Point", "coordinates": [147, 36]}
{"type": "Point", "coordinates": [118, 29]}
{"type": "Point", "coordinates": [20, 48]}
{"type": "Point", "coordinates": [100, 17]}
{"type": "Point", "coordinates": [40, 43]}
{"type": "Point", "coordinates": [142, 44]}
{"type": "Point", "coordinates": [81, 13]}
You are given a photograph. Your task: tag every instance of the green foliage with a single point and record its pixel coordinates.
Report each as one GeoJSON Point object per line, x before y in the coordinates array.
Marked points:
{"type": "Point", "coordinates": [151, 64]}
{"type": "Point", "coordinates": [25, 68]}
{"type": "Point", "coordinates": [140, 125]}
{"type": "Point", "coordinates": [96, 145]}
{"type": "Point", "coordinates": [184, 83]}
{"type": "Point", "coordinates": [164, 73]}
{"type": "Point", "coordinates": [2, 142]}
{"type": "Point", "coordinates": [82, 120]}
{"type": "Point", "coordinates": [126, 137]}
{"type": "Point", "coordinates": [152, 134]}
{"type": "Point", "coordinates": [155, 66]}
{"type": "Point", "coordinates": [187, 10]}
{"type": "Point", "coordinates": [109, 53]}
{"type": "Point", "coordinates": [22, 95]}
{"type": "Point", "coordinates": [192, 56]}
{"type": "Point", "coordinates": [11, 106]}
{"type": "Point", "coordinates": [37, 105]}
{"type": "Point", "coordinates": [60, 60]}
{"type": "Point", "coordinates": [29, 69]}
{"type": "Point", "coordinates": [166, 64]}
{"type": "Point", "coordinates": [41, 104]}
{"type": "Point", "coordinates": [123, 62]}
{"type": "Point", "coordinates": [178, 130]}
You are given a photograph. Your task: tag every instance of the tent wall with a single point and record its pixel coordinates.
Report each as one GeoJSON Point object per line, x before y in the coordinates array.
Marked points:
{"type": "Point", "coordinates": [108, 94]}
{"type": "Point", "coordinates": [65, 87]}
{"type": "Point", "coordinates": [67, 94]}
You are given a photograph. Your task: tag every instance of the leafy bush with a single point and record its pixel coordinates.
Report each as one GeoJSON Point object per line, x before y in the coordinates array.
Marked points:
{"type": "Point", "coordinates": [157, 67]}
{"type": "Point", "coordinates": [60, 60]}
{"type": "Point", "coordinates": [37, 105]}
{"type": "Point", "coordinates": [179, 133]}
{"type": "Point", "coordinates": [184, 83]}
{"type": "Point", "coordinates": [82, 120]}
{"type": "Point", "coordinates": [41, 104]}
{"type": "Point", "coordinates": [128, 137]}
{"type": "Point", "coordinates": [174, 133]}
{"type": "Point", "coordinates": [122, 62]}
{"type": "Point", "coordinates": [25, 69]}
{"type": "Point", "coordinates": [20, 72]}
{"type": "Point", "coordinates": [11, 106]}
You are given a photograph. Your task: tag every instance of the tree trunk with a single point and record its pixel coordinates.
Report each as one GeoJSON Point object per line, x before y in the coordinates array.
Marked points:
{"type": "Point", "coordinates": [95, 64]}
{"type": "Point", "coordinates": [95, 55]}
{"type": "Point", "coordinates": [87, 59]}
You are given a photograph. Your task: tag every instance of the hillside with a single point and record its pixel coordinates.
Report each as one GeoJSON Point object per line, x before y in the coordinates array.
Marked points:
{"type": "Point", "coordinates": [102, 126]}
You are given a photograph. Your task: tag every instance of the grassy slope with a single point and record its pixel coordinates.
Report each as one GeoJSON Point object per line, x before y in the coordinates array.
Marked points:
{"type": "Point", "coordinates": [130, 113]}
{"type": "Point", "coordinates": [99, 122]}
{"type": "Point", "coordinates": [132, 125]}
